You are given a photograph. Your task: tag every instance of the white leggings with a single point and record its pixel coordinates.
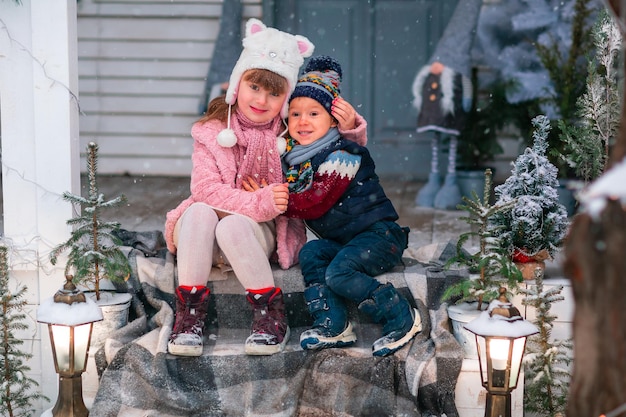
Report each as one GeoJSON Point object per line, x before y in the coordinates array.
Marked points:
{"type": "Point", "coordinates": [200, 234]}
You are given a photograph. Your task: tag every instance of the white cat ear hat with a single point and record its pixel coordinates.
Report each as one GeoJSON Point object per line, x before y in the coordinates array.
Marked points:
{"type": "Point", "coordinates": [270, 49]}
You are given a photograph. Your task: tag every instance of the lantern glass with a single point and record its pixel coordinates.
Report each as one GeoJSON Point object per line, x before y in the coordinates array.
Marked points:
{"type": "Point", "coordinates": [516, 360]}
{"type": "Point", "coordinates": [498, 352]}
{"type": "Point", "coordinates": [496, 356]}
{"type": "Point", "coordinates": [63, 338]}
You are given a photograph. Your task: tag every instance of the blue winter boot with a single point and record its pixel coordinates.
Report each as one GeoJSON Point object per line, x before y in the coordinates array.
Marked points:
{"type": "Point", "coordinates": [426, 194]}
{"type": "Point", "coordinates": [449, 196]}
{"type": "Point", "coordinates": [400, 321]}
{"type": "Point", "coordinates": [331, 327]}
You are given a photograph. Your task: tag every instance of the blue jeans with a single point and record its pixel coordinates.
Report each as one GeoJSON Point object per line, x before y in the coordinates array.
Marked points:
{"type": "Point", "coordinates": [349, 270]}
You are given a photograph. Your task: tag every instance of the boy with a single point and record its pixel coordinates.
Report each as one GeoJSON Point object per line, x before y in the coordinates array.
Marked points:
{"type": "Point", "coordinates": [334, 188]}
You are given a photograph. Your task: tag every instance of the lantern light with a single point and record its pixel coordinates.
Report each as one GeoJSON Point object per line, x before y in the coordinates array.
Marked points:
{"type": "Point", "coordinates": [70, 317]}
{"type": "Point", "coordinates": [501, 334]}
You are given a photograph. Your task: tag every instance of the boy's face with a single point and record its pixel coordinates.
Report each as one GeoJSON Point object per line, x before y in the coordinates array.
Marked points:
{"type": "Point", "coordinates": [308, 120]}
{"type": "Point", "coordinates": [257, 103]}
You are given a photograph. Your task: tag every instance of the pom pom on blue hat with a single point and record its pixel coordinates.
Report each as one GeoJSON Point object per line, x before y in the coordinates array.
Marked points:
{"type": "Point", "coordinates": [320, 81]}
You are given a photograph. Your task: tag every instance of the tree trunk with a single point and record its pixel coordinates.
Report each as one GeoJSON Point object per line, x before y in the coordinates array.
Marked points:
{"type": "Point", "coordinates": [596, 265]}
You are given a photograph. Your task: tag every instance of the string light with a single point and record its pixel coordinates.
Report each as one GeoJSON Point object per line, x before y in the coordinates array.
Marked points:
{"type": "Point", "coordinates": [33, 252]}
{"type": "Point", "coordinates": [41, 65]}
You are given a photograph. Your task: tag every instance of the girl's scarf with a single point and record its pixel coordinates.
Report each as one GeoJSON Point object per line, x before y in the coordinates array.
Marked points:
{"type": "Point", "coordinates": [257, 142]}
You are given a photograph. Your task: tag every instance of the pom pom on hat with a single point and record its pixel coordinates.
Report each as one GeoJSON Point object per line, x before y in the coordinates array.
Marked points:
{"type": "Point", "coordinates": [227, 138]}
{"type": "Point", "coordinates": [324, 63]}
{"type": "Point", "coordinates": [320, 82]}
{"type": "Point", "coordinates": [281, 142]}
{"type": "Point", "coordinates": [281, 145]}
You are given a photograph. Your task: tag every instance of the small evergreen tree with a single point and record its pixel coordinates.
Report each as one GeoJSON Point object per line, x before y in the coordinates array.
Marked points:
{"type": "Point", "coordinates": [588, 140]}
{"type": "Point", "coordinates": [546, 361]}
{"type": "Point", "coordinates": [491, 262]}
{"type": "Point", "coordinates": [542, 47]}
{"type": "Point", "coordinates": [94, 251]}
{"type": "Point", "coordinates": [536, 221]}
{"type": "Point", "coordinates": [17, 391]}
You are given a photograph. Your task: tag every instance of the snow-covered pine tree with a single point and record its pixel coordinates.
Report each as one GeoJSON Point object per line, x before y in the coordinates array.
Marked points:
{"type": "Point", "coordinates": [17, 390]}
{"type": "Point", "coordinates": [546, 363]}
{"type": "Point", "coordinates": [588, 141]}
{"type": "Point", "coordinates": [536, 221]}
{"type": "Point", "coordinates": [491, 261]}
{"type": "Point", "coordinates": [94, 251]}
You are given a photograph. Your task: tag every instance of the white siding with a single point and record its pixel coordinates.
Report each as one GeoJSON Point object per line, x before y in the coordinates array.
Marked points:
{"type": "Point", "coordinates": [142, 66]}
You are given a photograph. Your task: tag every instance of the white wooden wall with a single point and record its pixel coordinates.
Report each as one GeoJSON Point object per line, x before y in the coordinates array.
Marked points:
{"type": "Point", "coordinates": [39, 133]}
{"type": "Point", "coordinates": [142, 69]}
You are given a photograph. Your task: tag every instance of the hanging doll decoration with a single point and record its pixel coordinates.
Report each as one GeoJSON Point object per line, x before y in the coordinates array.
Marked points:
{"type": "Point", "coordinates": [443, 96]}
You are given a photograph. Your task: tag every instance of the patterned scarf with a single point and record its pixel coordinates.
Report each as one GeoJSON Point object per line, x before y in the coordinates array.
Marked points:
{"type": "Point", "coordinates": [300, 153]}
{"type": "Point", "coordinates": [257, 143]}
{"type": "Point", "coordinates": [297, 160]}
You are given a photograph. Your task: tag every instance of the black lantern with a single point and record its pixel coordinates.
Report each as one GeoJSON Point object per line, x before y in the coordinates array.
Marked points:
{"type": "Point", "coordinates": [70, 317]}
{"type": "Point", "coordinates": [501, 334]}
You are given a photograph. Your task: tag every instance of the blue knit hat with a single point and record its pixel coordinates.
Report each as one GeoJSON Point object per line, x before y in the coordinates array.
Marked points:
{"type": "Point", "coordinates": [320, 81]}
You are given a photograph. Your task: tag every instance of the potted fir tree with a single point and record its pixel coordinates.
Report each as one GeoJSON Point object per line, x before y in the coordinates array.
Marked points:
{"type": "Point", "coordinates": [533, 229]}
{"type": "Point", "coordinates": [93, 252]}
{"type": "Point", "coordinates": [489, 266]}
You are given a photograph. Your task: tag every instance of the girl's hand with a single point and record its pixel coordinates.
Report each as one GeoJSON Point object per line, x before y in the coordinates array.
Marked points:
{"type": "Point", "coordinates": [251, 185]}
{"type": "Point", "coordinates": [280, 192]}
{"type": "Point", "coordinates": [344, 113]}
{"type": "Point", "coordinates": [281, 196]}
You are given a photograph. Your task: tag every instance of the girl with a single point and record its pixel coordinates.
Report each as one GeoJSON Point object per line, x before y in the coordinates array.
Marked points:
{"type": "Point", "coordinates": [223, 224]}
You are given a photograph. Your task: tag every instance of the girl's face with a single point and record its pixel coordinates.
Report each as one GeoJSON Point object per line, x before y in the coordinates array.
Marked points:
{"type": "Point", "coordinates": [258, 103]}
{"type": "Point", "coordinates": [308, 120]}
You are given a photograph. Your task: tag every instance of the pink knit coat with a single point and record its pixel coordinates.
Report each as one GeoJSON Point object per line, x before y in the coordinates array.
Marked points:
{"type": "Point", "coordinates": [213, 178]}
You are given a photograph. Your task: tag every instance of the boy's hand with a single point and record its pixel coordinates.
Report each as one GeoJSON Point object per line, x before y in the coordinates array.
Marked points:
{"type": "Point", "coordinates": [281, 196]}
{"type": "Point", "coordinates": [344, 113]}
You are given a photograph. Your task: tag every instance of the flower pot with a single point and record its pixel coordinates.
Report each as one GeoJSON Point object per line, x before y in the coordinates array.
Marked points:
{"type": "Point", "coordinates": [114, 308]}
{"type": "Point", "coordinates": [530, 265]}
{"type": "Point", "coordinates": [531, 268]}
{"type": "Point", "coordinates": [460, 315]}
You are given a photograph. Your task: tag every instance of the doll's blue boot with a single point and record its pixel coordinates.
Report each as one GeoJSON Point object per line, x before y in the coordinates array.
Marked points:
{"type": "Point", "coordinates": [449, 196]}
{"type": "Point", "coordinates": [426, 195]}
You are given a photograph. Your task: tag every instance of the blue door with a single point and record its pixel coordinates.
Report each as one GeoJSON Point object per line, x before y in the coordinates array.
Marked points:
{"type": "Point", "coordinates": [381, 44]}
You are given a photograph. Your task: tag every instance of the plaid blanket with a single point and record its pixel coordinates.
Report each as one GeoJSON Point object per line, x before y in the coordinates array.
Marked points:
{"type": "Point", "coordinates": [139, 377]}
